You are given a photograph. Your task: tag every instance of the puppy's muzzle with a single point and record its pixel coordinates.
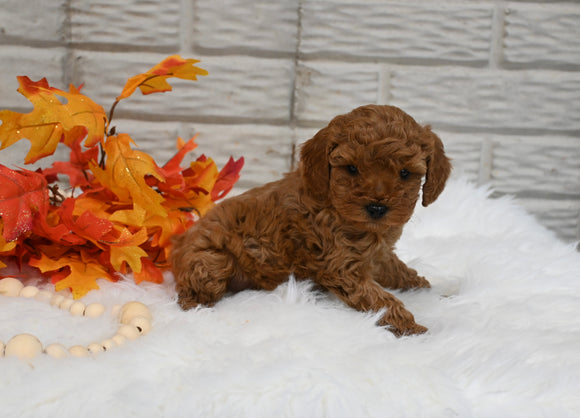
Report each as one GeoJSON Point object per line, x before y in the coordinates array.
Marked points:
{"type": "Point", "coordinates": [376, 210]}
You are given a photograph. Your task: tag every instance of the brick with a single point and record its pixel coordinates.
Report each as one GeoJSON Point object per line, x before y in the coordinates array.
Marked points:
{"type": "Point", "coordinates": [540, 100]}
{"type": "Point", "coordinates": [239, 25]}
{"type": "Point", "coordinates": [35, 63]}
{"type": "Point", "coordinates": [239, 88]}
{"type": "Point", "coordinates": [542, 34]}
{"type": "Point", "coordinates": [389, 30]}
{"type": "Point", "coordinates": [533, 167]}
{"type": "Point", "coordinates": [324, 90]}
{"type": "Point", "coordinates": [158, 139]}
{"type": "Point", "coordinates": [266, 149]}
{"type": "Point", "coordinates": [37, 20]}
{"type": "Point", "coordinates": [145, 23]}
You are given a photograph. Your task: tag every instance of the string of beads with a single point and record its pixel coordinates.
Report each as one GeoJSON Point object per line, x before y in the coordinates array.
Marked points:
{"type": "Point", "coordinates": [134, 317]}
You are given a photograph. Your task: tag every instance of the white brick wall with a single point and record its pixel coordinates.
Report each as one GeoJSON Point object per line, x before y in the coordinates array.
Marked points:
{"type": "Point", "coordinates": [498, 80]}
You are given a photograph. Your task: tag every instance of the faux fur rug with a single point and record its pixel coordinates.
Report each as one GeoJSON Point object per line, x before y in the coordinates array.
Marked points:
{"type": "Point", "coordinates": [504, 339]}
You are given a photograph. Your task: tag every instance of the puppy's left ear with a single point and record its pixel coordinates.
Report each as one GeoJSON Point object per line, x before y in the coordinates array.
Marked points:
{"type": "Point", "coordinates": [438, 168]}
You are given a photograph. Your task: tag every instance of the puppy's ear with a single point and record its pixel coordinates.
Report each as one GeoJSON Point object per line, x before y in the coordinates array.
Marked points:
{"type": "Point", "coordinates": [315, 166]}
{"type": "Point", "coordinates": [438, 168]}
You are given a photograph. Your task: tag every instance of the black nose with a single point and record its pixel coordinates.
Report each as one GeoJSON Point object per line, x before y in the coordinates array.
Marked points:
{"type": "Point", "coordinates": [376, 210]}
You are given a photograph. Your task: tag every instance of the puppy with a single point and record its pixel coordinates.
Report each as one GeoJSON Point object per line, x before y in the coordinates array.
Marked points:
{"type": "Point", "coordinates": [334, 220]}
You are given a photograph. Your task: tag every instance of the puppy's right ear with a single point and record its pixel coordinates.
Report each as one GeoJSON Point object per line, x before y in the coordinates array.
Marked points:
{"type": "Point", "coordinates": [315, 168]}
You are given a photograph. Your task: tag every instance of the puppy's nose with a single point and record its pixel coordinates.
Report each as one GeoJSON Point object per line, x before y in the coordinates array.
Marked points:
{"type": "Point", "coordinates": [376, 210]}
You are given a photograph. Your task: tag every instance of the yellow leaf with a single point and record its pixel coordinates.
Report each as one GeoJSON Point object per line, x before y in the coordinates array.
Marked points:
{"type": "Point", "coordinates": [125, 173]}
{"type": "Point", "coordinates": [52, 120]}
{"type": "Point", "coordinates": [128, 250]}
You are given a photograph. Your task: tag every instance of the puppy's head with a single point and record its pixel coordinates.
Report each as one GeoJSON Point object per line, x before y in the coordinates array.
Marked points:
{"type": "Point", "coordinates": [369, 164]}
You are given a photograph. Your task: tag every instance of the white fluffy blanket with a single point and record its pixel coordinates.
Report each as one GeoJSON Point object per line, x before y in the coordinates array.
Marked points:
{"type": "Point", "coordinates": [504, 339]}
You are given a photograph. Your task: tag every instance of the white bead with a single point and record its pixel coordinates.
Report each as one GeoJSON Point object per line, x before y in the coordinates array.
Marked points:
{"type": "Point", "coordinates": [131, 310]}
{"type": "Point", "coordinates": [129, 331]}
{"type": "Point", "coordinates": [43, 296]}
{"type": "Point", "coordinates": [142, 324]}
{"type": "Point", "coordinates": [78, 351]}
{"type": "Point", "coordinates": [24, 346]}
{"type": "Point", "coordinates": [56, 350]}
{"type": "Point", "coordinates": [95, 348]}
{"type": "Point", "coordinates": [77, 308]}
{"type": "Point", "coordinates": [9, 286]}
{"type": "Point", "coordinates": [56, 300]}
{"type": "Point", "coordinates": [29, 292]}
{"type": "Point", "coordinates": [94, 310]}
{"type": "Point", "coordinates": [66, 304]}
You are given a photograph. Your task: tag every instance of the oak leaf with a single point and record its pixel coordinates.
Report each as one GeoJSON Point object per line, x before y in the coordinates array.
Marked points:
{"type": "Point", "coordinates": [124, 174]}
{"type": "Point", "coordinates": [52, 120]}
{"type": "Point", "coordinates": [155, 80]}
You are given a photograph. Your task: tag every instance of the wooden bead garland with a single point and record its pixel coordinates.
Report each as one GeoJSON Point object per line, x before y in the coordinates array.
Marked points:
{"type": "Point", "coordinates": [135, 319]}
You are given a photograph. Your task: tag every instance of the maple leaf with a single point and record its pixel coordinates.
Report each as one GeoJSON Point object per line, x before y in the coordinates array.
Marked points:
{"type": "Point", "coordinates": [155, 80]}
{"type": "Point", "coordinates": [51, 121]}
{"type": "Point", "coordinates": [23, 193]}
{"type": "Point", "coordinates": [80, 272]}
{"type": "Point", "coordinates": [125, 173]}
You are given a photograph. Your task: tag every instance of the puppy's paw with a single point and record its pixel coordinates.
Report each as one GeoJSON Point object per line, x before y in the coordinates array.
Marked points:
{"type": "Point", "coordinates": [402, 322]}
{"type": "Point", "coordinates": [186, 300]}
{"type": "Point", "coordinates": [421, 282]}
{"type": "Point", "coordinates": [412, 329]}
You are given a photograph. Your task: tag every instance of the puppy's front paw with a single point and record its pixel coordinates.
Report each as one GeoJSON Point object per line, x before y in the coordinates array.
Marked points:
{"type": "Point", "coordinates": [412, 329]}
{"type": "Point", "coordinates": [402, 322]}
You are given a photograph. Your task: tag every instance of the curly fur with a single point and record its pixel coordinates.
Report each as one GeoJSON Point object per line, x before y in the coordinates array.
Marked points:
{"type": "Point", "coordinates": [334, 220]}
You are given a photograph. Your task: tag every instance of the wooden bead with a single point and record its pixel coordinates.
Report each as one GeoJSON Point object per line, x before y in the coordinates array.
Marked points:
{"type": "Point", "coordinates": [108, 344]}
{"type": "Point", "coordinates": [24, 346]}
{"type": "Point", "coordinates": [56, 350]}
{"type": "Point", "coordinates": [78, 351]}
{"type": "Point", "coordinates": [119, 339]}
{"type": "Point", "coordinates": [43, 296]}
{"type": "Point", "coordinates": [131, 310]}
{"type": "Point", "coordinates": [142, 324]}
{"type": "Point", "coordinates": [94, 310]}
{"type": "Point", "coordinates": [29, 292]}
{"type": "Point", "coordinates": [1, 349]}
{"type": "Point", "coordinates": [129, 331]}
{"type": "Point", "coordinates": [77, 309]}
{"type": "Point", "coordinates": [9, 286]}
{"type": "Point", "coordinates": [95, 348]}
{"type": "Point", "coordinates": [66, 304]}
{"type": "Point", "coordinates": [56, 300]}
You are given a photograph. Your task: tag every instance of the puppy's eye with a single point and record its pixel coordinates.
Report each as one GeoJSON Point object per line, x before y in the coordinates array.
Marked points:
{"type": "Point", "coordinates": [352, 170]}
{"type": "Point", "coordinates": [404, 174]}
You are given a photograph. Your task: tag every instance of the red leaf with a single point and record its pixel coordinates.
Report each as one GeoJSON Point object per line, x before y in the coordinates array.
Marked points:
{"type": "Point", "coordinates": [23, 193]}
{"type": "Point", "coordinates": [227, 178]}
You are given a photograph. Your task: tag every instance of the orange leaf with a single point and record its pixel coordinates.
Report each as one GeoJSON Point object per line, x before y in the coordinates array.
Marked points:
{"type": "Point", "coordinates": [155, 80]}
{"type": "Point", "coordinates": [23, 193]}
{"type": "Point", "coordinates": [125, 173]}
{"type": "Point", "coordinates": [128, 249]}
{"type": "Point", "coordinates": [150, 273]}
{"type": "Point", "coordinates": [51, 121]}
{"type": "Point", "coordinates": [83, 272]}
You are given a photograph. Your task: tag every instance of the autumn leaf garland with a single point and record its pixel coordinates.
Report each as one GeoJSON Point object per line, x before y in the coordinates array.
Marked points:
{"type": "Point", "coordinates": [125, 207]}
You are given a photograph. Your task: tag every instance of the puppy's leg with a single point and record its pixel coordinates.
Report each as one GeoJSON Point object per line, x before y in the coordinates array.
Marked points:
{"type": "Point", "coordinates": [202, 277]}
{"type": "Point", "coordinates": [369, 296]}
{"type": "Point", "coordinates": [392, 273]}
